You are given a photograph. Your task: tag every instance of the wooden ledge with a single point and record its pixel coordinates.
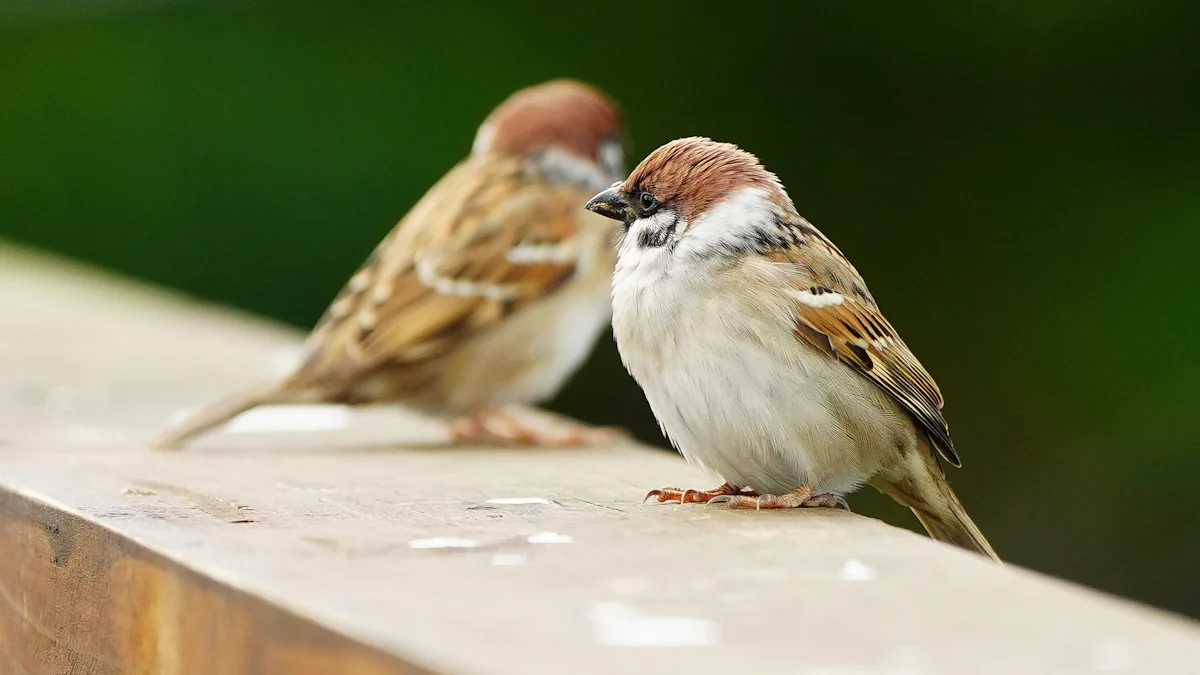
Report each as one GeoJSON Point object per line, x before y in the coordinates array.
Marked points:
{"type": "Point", "coordinates": [369, 547]}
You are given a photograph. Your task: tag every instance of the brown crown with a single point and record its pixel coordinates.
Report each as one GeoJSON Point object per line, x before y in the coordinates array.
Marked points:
{"type": "Point", "coordinates": [693, 174]}
{"type": "Point", "coordinates": [560, 114]}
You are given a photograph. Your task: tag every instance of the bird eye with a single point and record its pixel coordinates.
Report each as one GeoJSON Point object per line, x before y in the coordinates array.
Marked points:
{"type": "Point", "coordinates": [648, 202]}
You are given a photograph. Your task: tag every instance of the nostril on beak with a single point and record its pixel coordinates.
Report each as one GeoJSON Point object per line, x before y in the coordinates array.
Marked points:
{"type": "Point", "coordinates": [610, 204]}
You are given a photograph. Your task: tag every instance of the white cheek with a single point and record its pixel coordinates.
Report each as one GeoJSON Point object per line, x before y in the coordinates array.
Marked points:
{"type": "Point", "coordinates": [736, 220]}
{"type": "Point", "coordinates": [649, 277]}
{"type": "Point", "coordinates": [483, 140]}
{"type": "Point", "coordinates": [659, 221]}
{"type": "Point", "coordinates": [562, 167]}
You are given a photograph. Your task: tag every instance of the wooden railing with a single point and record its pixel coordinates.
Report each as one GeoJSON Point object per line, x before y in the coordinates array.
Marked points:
{"type": "Point", "coordinates": [366, 545]}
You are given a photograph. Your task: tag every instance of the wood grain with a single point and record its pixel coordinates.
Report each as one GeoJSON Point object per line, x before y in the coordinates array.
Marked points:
{"type": "Point", "coordinates": [274, 551]}
{"type": "Point", "coordinates": [80, 599]}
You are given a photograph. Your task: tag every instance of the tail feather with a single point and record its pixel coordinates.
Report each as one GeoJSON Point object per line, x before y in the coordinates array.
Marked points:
{"type": "Point", "coordinates": [924, 489]}
{"type": "Point", "coordinates": [954, 526]}
{"type": "Point", "coordinates": [221, 412]}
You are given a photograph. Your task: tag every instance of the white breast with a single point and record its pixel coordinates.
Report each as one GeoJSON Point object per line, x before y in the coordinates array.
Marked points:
{"type": "Point", "coordinates": [730, 384]}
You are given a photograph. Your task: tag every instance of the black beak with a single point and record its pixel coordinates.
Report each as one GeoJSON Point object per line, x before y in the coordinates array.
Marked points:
{"type": "Point", "coordinates": [610, 204]}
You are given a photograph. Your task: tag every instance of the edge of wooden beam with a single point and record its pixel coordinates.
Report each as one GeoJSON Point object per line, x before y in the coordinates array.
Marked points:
{"type": "Point", "coordinates": [117, 606]}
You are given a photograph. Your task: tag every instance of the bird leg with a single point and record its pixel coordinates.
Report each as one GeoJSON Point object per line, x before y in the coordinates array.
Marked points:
{"type": "Point", "coordinates": [803, 497]}
{"type": "Point", "coordinates": [510, 426]}
{"type": "Point", "coordinates": [697, 496]}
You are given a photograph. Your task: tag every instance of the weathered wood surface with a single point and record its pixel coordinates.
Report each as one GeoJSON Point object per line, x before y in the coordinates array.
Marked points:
{"type": "Point", "coordinates": [331, 551]}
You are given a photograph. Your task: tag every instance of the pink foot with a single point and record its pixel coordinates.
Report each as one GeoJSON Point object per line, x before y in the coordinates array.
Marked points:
{"type": "Point", "coordinates": [802, 497]}
{"type": "Point", "coordinates": [695, 496]}
{"type": "Point", "coordinates": [525, 427]}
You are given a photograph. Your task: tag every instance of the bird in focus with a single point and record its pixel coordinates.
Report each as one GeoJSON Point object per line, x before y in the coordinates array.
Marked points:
{"type": "Point", "coordinates": [489, 293]}
{"type": "Point", "coordinates": [761, 352]}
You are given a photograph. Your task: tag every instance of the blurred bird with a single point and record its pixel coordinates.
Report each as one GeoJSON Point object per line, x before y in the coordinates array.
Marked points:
{"type": "Point", "coordinates": [490, 292]}
{"type": "Point", "coordinates": [761, 351]}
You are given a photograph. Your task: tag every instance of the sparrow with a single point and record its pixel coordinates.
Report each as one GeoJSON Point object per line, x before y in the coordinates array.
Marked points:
{"type": "Point", "coordinates": [489, 293]}
{"type": "Point", "coordinates": [761, 352]}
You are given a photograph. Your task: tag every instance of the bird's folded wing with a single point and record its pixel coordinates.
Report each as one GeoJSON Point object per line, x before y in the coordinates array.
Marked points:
{"type": "Point", "coordinates": [835, 313]}
{"type": "Point", "coordinates": [485, 241]}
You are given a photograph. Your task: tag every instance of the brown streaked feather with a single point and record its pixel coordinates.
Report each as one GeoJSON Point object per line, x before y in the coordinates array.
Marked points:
{"type": "Point", "coordinates": [857, 333]}
{"type": "Point", "coordinates": [443, 275]}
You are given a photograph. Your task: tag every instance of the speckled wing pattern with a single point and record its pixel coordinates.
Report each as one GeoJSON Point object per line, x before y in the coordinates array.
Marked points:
{"type": "Point", "coordinates": [486, 240]}
{"type": "Point", "coordinates": [836, 314]}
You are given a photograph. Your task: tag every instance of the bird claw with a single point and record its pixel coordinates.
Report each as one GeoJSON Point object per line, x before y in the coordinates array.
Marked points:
{"type": "Point", "coordinates": [512, 426]}
{"type": "Point", "coordinates": [664, 495]}
{"type": "Point", "coordinates": [835, 502]}
{"type": "Point", "coordinates": [689, 496]}
{"type": "Point", "coordinates": [746, 502]}
{"type": "Point", "coordinates": [800, 498]}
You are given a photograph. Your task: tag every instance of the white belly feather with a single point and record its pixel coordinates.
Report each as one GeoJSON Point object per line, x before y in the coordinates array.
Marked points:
{"type": "Point", "coordinates": [537, 350]}
{"type": "Point", "coordinates": [732, 387]}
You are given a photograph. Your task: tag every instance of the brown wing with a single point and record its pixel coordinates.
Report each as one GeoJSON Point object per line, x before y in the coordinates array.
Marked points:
{"type": "Point", "coordinates": [483, 242]}
{"type": "Point", "coordinates": [837, 314]}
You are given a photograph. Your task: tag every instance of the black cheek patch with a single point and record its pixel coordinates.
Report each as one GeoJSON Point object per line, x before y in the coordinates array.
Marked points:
{"type": "Point", "coordinates": [653, 237]}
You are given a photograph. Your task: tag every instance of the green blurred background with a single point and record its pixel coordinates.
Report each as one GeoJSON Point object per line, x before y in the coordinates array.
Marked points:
{"type": "Point", "coordinates": [1019, 183]}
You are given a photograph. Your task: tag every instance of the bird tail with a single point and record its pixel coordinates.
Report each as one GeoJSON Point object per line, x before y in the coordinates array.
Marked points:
{"type": "Point", "coordinates": [954, 526]}
{"type": "Point", "coordinates": [927, 492]}
{"type": "Point", "coordinates": [224, 410]}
